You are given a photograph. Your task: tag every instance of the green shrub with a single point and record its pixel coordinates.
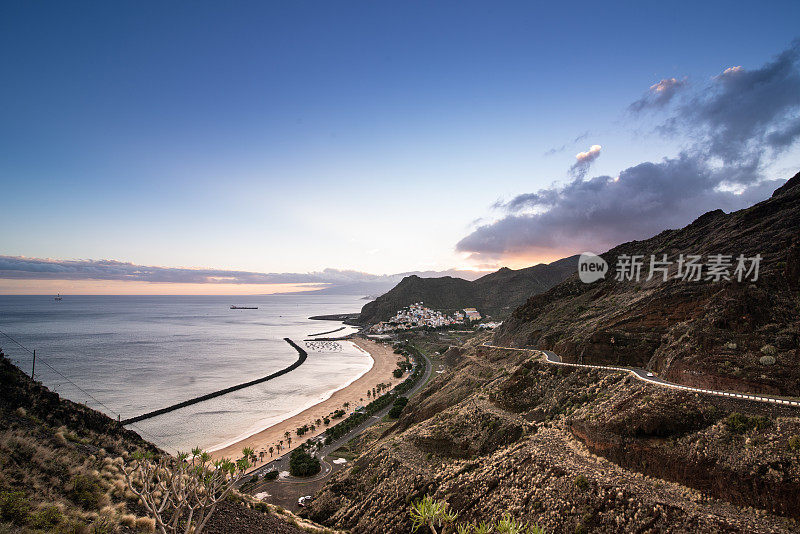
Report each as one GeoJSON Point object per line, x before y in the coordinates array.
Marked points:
{"type": "Point", "coordinates": [740, 423]}
{"type": "Point", "coordinates": [302, 464]}
{"type": "Point", "coordinates": [397, 373]}
{"type": "Point", "coordinates": [794, 443]}
{"type": "Point", "coordinates": [46, 518]}
{"type": "Point", "coordinates": [14, 507]}
{"type": "Point", "coordinates": [85, 491]}
{"type": "Point", "coordinates": [271, 475]}
{"type": "Point", "coordinates": [261, 507]}
{"type": "Point", "coordinates": [769, 350]}
{"type": "Point", "coordinates": [581, 482]}
{"type": "Point", "coordinates": [395, 411]}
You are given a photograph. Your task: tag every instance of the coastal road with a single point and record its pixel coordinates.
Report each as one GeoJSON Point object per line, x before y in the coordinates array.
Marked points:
{"type": "Point", "coordinates": [281, 463]}
{"type": "Point", "coordinates": [645, 376]}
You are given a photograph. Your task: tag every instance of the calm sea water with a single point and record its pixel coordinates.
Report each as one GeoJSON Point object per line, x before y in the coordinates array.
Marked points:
{"type": "Point", "coordinates": [134, 354]}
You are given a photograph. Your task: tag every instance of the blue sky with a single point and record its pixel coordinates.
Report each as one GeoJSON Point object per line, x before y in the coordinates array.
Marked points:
{"type": "Point", "coordinates": [297, 136]}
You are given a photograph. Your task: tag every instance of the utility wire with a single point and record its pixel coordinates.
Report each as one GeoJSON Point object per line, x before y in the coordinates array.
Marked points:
{"type": "Point", "coordinates": [89, 395]}
{"type": "Point", "coordinates": [62, 376]}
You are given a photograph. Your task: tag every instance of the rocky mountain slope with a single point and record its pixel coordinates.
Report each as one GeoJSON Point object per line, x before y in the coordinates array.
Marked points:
{"type": "Point", "coordinates": [723, 335]}
{"type": "Point", "coordinates": [572, 451]}
{"type": "Point", "coordinates": [59, 469]}
{"type": "Point", "coordinates": [495, 294]}
{"type": "Point", "coordinates": [576, 450]}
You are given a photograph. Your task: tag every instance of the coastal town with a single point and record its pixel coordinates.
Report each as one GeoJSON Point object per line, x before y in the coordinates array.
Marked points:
{"type": "Point", "coordinates": [417, 315]}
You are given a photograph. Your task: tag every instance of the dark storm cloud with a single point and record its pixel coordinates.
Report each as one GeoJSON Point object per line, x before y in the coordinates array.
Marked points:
{"type": "Point", "coordinates": [738, 122]}
{"type": "Point", "coordinates": [601, 212]}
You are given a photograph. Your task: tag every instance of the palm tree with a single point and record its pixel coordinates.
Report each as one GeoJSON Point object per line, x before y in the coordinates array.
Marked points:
{"type": "Point", "coordinates": [289, 440]}
{"type": "Point", "coordinates": [271, 450]}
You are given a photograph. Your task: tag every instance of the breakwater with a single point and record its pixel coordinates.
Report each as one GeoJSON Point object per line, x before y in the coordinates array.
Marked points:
{"type": "Point", "coordinates": [328, 332]}
{"type": "Point", "coordinates": [302, 358]}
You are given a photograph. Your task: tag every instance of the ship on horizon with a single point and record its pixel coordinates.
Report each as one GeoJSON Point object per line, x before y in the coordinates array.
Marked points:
{"type": "Point", "coordinates": [244, 307]}
{"type": "Point", "coordinates": [57, 297]}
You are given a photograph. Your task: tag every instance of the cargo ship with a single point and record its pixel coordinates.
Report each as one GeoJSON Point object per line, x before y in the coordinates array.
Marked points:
{"type": "Point", "coordinates": [244, 307]}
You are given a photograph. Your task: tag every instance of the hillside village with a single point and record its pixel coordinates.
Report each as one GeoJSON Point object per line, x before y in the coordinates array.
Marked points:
{"type": "Point", "coordinates": [417, 315]}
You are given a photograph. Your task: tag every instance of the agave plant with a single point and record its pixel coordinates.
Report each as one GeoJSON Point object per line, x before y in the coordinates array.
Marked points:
{"type": "Point", "coordinates": [509, 525]}
{"type": "Point", "coordinates": [431, 513]}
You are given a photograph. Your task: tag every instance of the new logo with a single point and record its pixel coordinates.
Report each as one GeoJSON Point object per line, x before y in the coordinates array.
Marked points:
{"type": "Point", "coordinates": [591, 267]}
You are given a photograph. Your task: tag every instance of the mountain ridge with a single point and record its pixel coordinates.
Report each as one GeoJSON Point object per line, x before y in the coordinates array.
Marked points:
{"type": "Point", "coordinates": [494, 294]}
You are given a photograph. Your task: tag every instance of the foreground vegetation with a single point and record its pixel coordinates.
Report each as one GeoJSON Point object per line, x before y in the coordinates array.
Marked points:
{"type": "Point", "coordinates": [435, 514]}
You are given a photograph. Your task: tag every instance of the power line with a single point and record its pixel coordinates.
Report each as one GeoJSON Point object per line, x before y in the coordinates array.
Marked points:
{"type": "Point", "coordinates": [56, 371]}
{"type": "Point", "coordinates": [89, 395]}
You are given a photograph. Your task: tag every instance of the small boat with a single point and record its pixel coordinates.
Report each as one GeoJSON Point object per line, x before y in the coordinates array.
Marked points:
{"type": "Point", "coordinates": [57, 297]}
{"type": "Point", "coordinates": [244, 307]}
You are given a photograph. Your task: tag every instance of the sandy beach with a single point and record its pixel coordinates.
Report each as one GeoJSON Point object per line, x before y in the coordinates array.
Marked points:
{"type": "Point", "coordinates": [355, 394]}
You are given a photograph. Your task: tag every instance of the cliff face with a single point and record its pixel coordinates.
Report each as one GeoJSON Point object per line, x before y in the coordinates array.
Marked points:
{"type": "Point", "coordinates": [728, 334]}
{"type": "Point", "coordinates": [496, 294]}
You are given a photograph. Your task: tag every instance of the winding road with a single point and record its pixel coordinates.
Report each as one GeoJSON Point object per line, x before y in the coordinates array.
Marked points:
{"type": "Point", "coordinates": [646, 376]}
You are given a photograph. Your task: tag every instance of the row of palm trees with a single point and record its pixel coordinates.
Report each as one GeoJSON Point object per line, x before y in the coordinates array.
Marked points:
{"type": "Point", "coordinates": [286, 442]}
{"type": "Point", "coordinates": [278, 448]}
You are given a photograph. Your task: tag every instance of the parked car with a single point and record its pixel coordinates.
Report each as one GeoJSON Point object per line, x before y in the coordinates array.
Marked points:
{"type": "Point", "coordinates": [302, 501]}
{"type": "Point", "coordinates": [650, 374]}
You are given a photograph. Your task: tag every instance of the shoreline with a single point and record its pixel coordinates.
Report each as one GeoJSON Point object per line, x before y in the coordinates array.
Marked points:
{"type": "Point", "coordinates": [354, 393]}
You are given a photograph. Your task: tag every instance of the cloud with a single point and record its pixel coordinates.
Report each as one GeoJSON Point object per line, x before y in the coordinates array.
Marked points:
{"type": "Point", "coordinates": [731, 70]}
{"type": "Point", "coordinates": [15, 267]}
{"type": "Point", "coordinates": [660, 94]}
{"type": "Point", "coordinates": [742, 120]}
{"type": "Point", "coordinates": [744, 113]}
{"type": "Point", "coordinates": [562, 148]}
{"type": "Point", "coordinates": [584, 161]}
{"type": "Point", "coordinates": [333, 280]}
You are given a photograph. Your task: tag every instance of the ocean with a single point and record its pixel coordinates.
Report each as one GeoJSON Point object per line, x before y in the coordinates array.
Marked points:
{"type": "Point", "coordinates": [128, 355]}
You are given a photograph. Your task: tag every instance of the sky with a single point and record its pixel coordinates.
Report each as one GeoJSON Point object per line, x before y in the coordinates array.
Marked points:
{"type": "Point", "coordinates": [337, 143]}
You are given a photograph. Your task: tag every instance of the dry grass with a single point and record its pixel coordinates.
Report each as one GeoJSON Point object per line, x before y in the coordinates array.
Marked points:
{"type": "Point", "coordinates": [146, 524]}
